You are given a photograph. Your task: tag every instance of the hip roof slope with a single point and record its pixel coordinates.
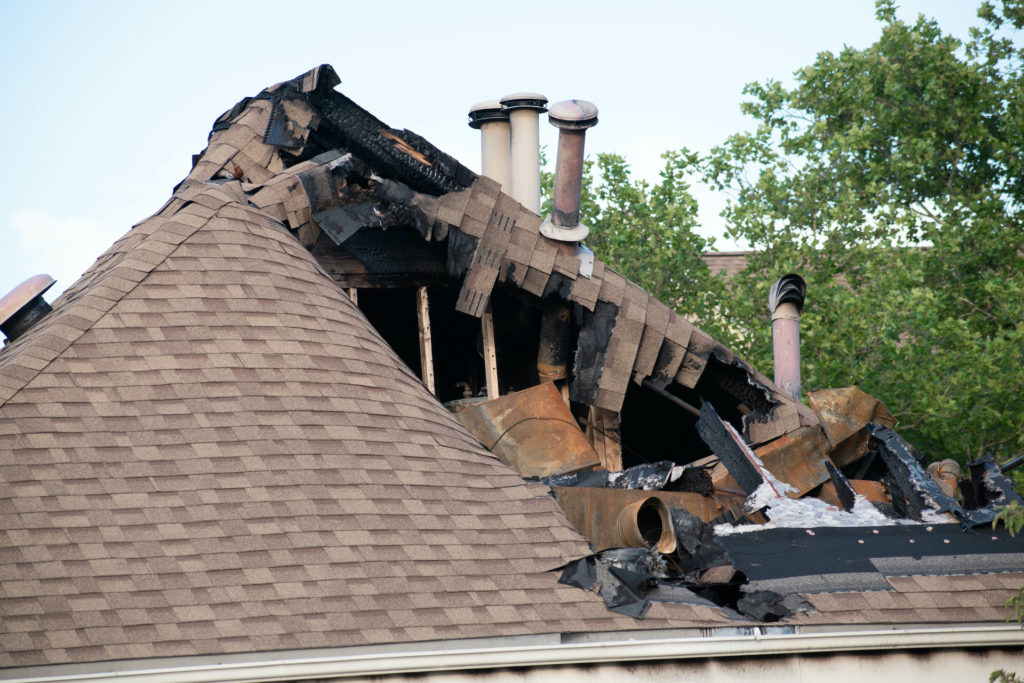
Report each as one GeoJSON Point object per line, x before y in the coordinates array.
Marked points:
{"type": "Point", "coordinates": [212, 451]}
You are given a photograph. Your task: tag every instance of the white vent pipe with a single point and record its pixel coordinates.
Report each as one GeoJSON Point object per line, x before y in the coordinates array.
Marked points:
{"type": "Point", "coordinates": [524, 110]}
{"type": "Point", "coordinates": [495, 141]}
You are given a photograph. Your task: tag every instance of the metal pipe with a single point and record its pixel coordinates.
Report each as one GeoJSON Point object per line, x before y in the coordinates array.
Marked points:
{"type": "Point", "coordinates": [648, 384]}
{"type": "Point", "coordinates": [1011, 464]}
{"type": "Point", "coordinates": [786, 301]}
{"type": "Point", "coordinates": [629, 518]}
{"type": "Point", "coordinates": [647, 523]}
{"type": "Point", "coordinates": [495, 141]}
{"type": "Point", "coordinates": [24, 306]}
{"type": "Point", "coordinates": [524, 109]}
{"type": "Point", "coordinates": [572, 118]}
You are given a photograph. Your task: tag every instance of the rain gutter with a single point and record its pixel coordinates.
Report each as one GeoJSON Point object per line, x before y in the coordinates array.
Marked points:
{"type": "Point", "coordinates": [420, 658]}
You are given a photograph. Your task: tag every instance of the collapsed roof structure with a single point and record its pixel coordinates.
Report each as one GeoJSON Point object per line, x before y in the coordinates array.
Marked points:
{"type": "Point", "coordinates": [340, 392]}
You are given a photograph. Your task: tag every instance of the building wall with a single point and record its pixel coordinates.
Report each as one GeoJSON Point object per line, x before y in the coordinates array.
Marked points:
{"type": "Point", "coordinates": [935, 666]}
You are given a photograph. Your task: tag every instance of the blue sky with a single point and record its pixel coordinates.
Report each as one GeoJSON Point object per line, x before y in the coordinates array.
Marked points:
{"type": "Point", "coordinates": [105, 102]}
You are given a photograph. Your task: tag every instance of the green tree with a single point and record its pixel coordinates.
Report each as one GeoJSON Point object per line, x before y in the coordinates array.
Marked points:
{"type": "Point", "coordinates": [915, 140]}
{"type": "Point", "coordinates": [647, 233]}
{"type": "Point", "coordinates": [892, 179]}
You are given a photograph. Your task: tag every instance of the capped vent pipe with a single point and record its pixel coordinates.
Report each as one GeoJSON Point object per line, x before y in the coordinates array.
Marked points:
{"type": "Point", "coordinates": [495, 141]}
{"type": "Point", "coordinates": [572, 118]}
{"type": "Point", "coordinates": [524, 109]}
{"type": "Point", "coordinates": [24, 306]}
{"type": "Point", "coordinates": [786, 301]}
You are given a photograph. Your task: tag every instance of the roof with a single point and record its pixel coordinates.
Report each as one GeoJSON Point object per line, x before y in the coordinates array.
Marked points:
{"type": "Point", "coordinates": [730, 263]}
{"type": "Point", "coordinates": [206, 448]}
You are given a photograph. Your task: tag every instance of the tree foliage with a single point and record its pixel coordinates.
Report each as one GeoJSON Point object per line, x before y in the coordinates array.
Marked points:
{"type": "Point", "coordinates": [892, 179]}
{"type": "Point", "coordinates": [647, 233]}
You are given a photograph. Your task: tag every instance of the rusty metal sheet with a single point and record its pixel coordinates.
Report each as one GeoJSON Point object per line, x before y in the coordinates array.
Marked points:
{"type": "Point", "coordinates": [531, 431]}
{"type": "Point", "coordinates": [616, 518]}
{"type": "Point", "coordinates": [874, 491]}
{"type": "Point", "coordinates": [852, 449]}
{"type": "Point", "coordinates": [797, 458]}
{"type": "Point", "coordinates": [844, 412]}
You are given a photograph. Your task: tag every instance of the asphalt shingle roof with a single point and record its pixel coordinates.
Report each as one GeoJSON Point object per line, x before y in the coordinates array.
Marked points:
{"type": "Point", "coordinates": [206, 448]}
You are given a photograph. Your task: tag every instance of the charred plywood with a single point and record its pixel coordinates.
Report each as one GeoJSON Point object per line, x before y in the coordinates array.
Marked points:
{"type": "Point", "coordinates": [845, 412]}
{"type": "Point", "coordinates": [591, 351]}
{"type": "Point", "coordinates": [798, 459]}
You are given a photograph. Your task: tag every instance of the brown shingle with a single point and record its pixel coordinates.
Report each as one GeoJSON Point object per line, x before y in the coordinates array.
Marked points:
{"type": "Point", "coordinates": [238, 464]}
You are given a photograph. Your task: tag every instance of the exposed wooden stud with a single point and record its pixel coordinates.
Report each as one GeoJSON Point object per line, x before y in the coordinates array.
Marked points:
{"type": "Point", "coordinates": [426, 344]}
{"type": "Point", "coordinates": [490, 355]}
{"type": "Point", "coordinates": [353, 294]}
{"type": "Point", "coordinates": [603, 432]}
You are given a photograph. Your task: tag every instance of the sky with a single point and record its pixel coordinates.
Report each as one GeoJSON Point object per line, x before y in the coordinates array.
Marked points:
{"type": "Point", "coordinates": [104, 102]}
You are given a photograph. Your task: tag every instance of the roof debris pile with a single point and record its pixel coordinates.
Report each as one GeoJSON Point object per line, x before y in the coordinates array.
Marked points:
{"type": "Point", "coordinates": [709, 551]}
{"type": "Point", "coordinates": [661, 446]}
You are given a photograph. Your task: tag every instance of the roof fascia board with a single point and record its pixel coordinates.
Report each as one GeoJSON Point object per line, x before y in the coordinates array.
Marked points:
{"type": "Point", "coordinates": [298, 665]}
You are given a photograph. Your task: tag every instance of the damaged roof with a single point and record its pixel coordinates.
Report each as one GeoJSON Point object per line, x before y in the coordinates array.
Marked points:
{"type": "Point", "coordinates": [207, 448]}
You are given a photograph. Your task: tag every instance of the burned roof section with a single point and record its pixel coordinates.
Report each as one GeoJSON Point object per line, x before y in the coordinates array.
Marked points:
{"type": "Point", "coordinates": [573, 369]}
{"type": "Point", "coordinates": [339, 390]}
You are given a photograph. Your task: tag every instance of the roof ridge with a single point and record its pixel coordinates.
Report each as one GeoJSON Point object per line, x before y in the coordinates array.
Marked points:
{"type": "Point", "coordinates": [81, 306]}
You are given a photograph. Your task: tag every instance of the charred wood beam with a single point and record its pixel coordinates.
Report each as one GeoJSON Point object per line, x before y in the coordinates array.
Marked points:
{"type": "Point", "coordinates": [675, 400]}
{"type": "Point", "coordinates": [490, 355]}
{"type": "Point", "coordinates": [725, 444]}
{"type": "Point", "coordinates": [397, 258]}
{"type": "Point", "coordinates": [425, 339]}
{"type": "Point", "coordinates": [916, 489]}
{"type": "Point", "coordinates": [844, 491]}
{"type": "Point", "coordinates": [989, 485]}
{"type": "Point", "coordinates": [591, 352]}
{"type": "Point", "coordinates": [401, 155]}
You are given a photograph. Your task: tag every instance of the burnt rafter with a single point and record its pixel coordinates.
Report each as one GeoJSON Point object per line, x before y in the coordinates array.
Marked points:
{"type": "Point", "coordinates": [345, 174]}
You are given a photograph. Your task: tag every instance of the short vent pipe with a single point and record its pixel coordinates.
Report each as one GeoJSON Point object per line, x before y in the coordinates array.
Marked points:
{"type": "Point", "coordinates": [24, 306]}
{"type": "Point", "coordinates": [646, 523]}
{"type": "Point", "coordinates": [524, 110]}
{"type": "Point", "coordinates": [786, 301]}
{"type": "Point", "coordinates": [495, 141]}
{"type": "Point", "coordinates": [572, 118]}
